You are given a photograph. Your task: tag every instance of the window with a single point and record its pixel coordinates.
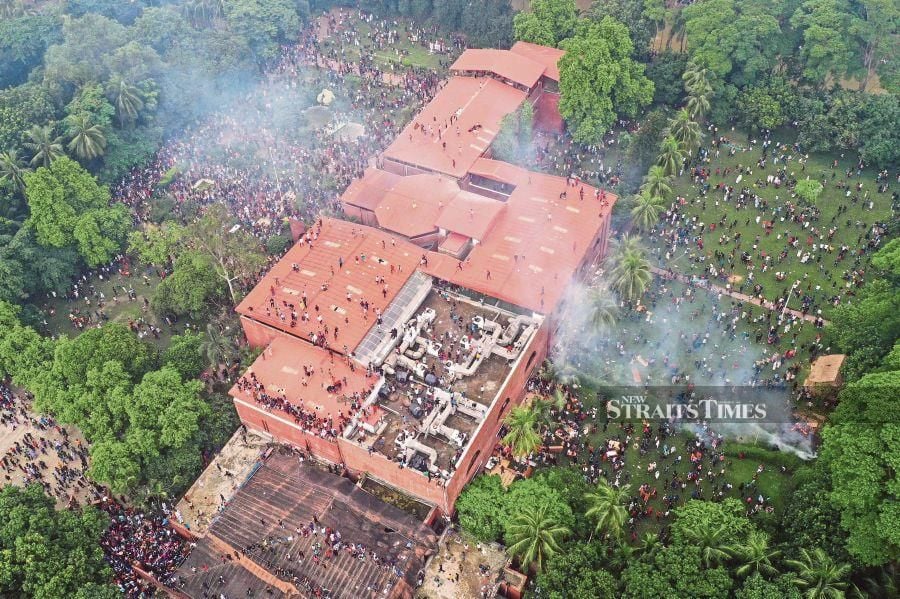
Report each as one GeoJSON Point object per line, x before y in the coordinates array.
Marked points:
{"type": "Point", "coordinates": [503, 409]}
{"type": "Point", "coordinates": [473, 462]}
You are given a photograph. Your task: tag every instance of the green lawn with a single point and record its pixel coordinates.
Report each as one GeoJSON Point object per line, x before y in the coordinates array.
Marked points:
{"type": "Point", "coordinates": [822, 279]}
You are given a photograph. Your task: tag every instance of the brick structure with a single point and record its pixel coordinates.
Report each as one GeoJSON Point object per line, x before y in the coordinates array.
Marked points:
{"type": "Point", "coordinates": [395, 348]}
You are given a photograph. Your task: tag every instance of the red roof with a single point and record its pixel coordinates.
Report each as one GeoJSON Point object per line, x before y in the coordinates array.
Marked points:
{"type": "Point", "coordinates": [535, 245]}
{"type": "Point", "coordinates": [545, 55]}
{"type": "Point", "coordinates": [324, 393]}
{"type": "Point", "coordinates": [454, 243]}
{"type": "Point", "coordinates": [412, 206]}
{"type": "Point", "coordinates": [479, 105]}
{"type": "Point", "coordinates": [503, 63]}
{"type": "Point", "coordinates": [470, 215]}
{"type": "Point", "coordinates": [369, 191]}
{"type": "Point", "coordinates": [366, 253]}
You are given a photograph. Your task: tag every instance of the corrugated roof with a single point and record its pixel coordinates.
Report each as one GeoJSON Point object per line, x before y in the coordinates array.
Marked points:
{"type": "Point", "coordinates": [480, 105]}
{"type": "Point", "coordinates": [370, 190]}
{"type": "Point", "coordinates": [545, 55]}
{"type": "Point", "coordinates": [535, 245]}
{"type": "Point", "coordinates": [515, 67]}
{"type": "Point", "coordinates": [365, 253]}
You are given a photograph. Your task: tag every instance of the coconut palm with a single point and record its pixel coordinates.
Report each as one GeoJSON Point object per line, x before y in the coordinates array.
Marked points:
{"type": "Point", "coordinates": [630, 271]}
{"type": "Point", "coordinates": [522, 435]}
{"type": "Point", "coordinates": [216, 347]}
{"type": "Point", "coordinates": [607, 506]}
{"type": "Point", "coordinates": [12, 169]}
{"type": "Point", "coordinates": [203, 12]}
{"type": "Point", "coordinates": [88, 141]}
{"type": "Point", "coordinates": [535, 536]}
{"type": "Point", "coordinates": [755, 555]}
{"type": "Point", "coordinates": [670, 156]}
{"type": "Point", "coordinates": [711, 543]}
{"type": "Point", "coordinates": [10, 9]}
{"type": "Point", "coordinates": [818, 575]}
{"type": "Point", "coordinates": [685, 131]}
{"type": "Point", "coordinates": [646, 211]}
{"type": "Point", "coordinates": [698, 102]}
{"type": "Point", "coordinates": [128, 102]}
{"type": "Point", "coordinates": [45, 146]}
{"type": "Point", "coordinates": [604, 311]}
{"type": "Point", "coordinates": [656, 183]}
{"type": "Point", "coordinates": [650, 542]}
{"type": "Point", "coordinates": [696, 77]}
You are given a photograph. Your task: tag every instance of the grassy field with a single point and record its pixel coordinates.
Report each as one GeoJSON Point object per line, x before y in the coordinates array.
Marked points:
{"type": "Point", "coordinates": [823, 276]}
{"type": "Point", "coordinates": [405, 52]}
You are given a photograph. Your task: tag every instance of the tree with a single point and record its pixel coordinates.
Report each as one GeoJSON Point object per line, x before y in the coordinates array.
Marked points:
{"type": "Point", "coordinates": [675, 571]}
{"type": "Point", "coordinates": [184, 355]}
{"type": "Point", "coordinates": [157, 244]}
{"type": "Point", "coordinates": [20, 108]}
{"type": "Point", "coordinates": [234, 254]}
{"type": "Point", "coordinates": [534, 536]}
{"type": "Point", "coordinates": [879, 139]}
{"type": "Point", "coordinates": [44, 145]}
{"type": "Point", "coordinates": [642, 17]}
{"type": "Point", "coordinates": [756, 556]}
{"type": "Point", "coordinates": [698, 102]}
{"type": "Point", "coordinates": [128, 101]}
{"type": "Point", "coordinates": [735, 39]}
{"type": "Point", "coordinates": [599, 80]}
{"type": "Point", "coordinates": [808, 190]}
{"type": "Point", "coordinates": [522, 435]}
{"type": "Point", "coordinates": [711, 528]}
{"type": "Point", "coordinates": [23, 41]}
{"type": "Point", "coordinates": [670, 157]}
{"type": "Point", "coordinates": [265, 24]}
{"type": "Point", "coordinates": [87, 139]}
{"type": "Point", "coordinates": [13, 170]}
{"type": "Point", "coordinates": [686, 131]}
{"type": "Point", "coordinates": [547, 22]}
{"type": "Point", "coordinates": [47, 553]}
{"type": "Point", "coordinates": [576, 573]}
{"type": "Point", "coordinates": [818, 575]}
{"type": "Point", "coordinates": [643, 145]}
{"type": "Point", "coordinates": [515, 142]}
{"type": "Point", "coordinates": [607, 507]}
{"type": "Point", "coordinates": [656, 183]}
{"type": "Point", "coordinates": [629, 271]}
{"type": "Point", "coordinates": [488, 23]}
{"type": "Point", "coordinates": [826, 50]}
{"type": "Point", "coordinates": [191, 287]}
{"type": "Point", "coordinates": [759, 109]}
{"type": "Point", "coordinates": [100, 234]}
{"type": "Point", "coordinates": [478, 507]}
{"type": "Point", "coordinates": [811, 519]}
{"type": "Point", "coordinates": [757, 587]}
{"type": "Point", "coordinates": [665, 71]}
{"type": "Point", "coordinates": [646, 211]}
{"type": "Point", "coordinates": [604, 311]}
{"type": "Point", "coordinates": [216, 347]}
{"type": "Point", "coordinates": [697, 77]}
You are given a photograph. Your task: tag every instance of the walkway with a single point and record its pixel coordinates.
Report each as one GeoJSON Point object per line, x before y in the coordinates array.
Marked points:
{"type": "Point", "coordinates": [705, 284]}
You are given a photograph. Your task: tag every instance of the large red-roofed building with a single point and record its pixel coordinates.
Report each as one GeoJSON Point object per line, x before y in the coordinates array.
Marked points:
{"type": "Point", "coordinates": [396, 347]}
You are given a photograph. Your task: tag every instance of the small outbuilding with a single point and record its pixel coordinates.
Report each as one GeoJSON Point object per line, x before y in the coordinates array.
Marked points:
{"type": "Point", "coordinates": [826, 371]}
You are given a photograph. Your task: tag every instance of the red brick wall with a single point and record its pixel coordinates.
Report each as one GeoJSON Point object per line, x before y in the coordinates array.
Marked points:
{"type": "Point", "coordinates": [359, 460]}
{"type": "Point", "coordinates": [258, 335]}
{"type": "Point", "coordinates": [482, 446]}
{"type": "Point", "coordinates": [280, 426]}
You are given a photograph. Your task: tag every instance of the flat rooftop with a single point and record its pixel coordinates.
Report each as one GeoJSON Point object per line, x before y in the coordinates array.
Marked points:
{"type": "Point", "coordinates": [336, 267]}
{"type": "Point", "coordinates": [431, 141]}
{"type": "Point", "coordinates": [411, 408]}
{"type": "Point", "coordinates": [261, 525]}
{"type": "Point", "coordinates": [535, 244]}
{"type": "Point", "coordinates": [313, 387]}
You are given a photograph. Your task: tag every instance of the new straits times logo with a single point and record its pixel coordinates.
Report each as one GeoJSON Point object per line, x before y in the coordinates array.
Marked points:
{"type": "Point", "coordinates": [698, 404]}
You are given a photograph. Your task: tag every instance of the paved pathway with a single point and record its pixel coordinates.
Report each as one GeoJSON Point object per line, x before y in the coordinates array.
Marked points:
{"type": "Point", "coordinates": [705, 284]}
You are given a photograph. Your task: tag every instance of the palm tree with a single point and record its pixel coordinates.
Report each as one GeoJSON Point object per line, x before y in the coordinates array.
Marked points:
{"type": "Point", "coordinates": [535, 536]}
{"type": "Point", "coordinates": [10, 9]}
{"type": "Point", "coordinates": [696, 77]}
{"type": "Point", "coordinates": [604, 311]}
{"type": "Point", "coordinates": [45, 146]}
{"type": "Point", "coordinates": [630, 272]}
{"type": "Point", "coordinates": [128, 102]}
{"type": "Point", "coordinates": [203, 12]}
{"type": "Point", "coordinates": [685, 131]}
{"type": "Point", "coordinates": [646, 211]}
{"type": "Point", "coordinates": [755, 556]}
{"type": "Point", "coordinates": [818, 575]}
{"type": "Point", "coordinates": [607, 507]}
{"type": "Point", "coordinates": [656, 183]}
{"type": "Point", "coordinates": [12, 169]}
{"type": "Point", "coordinates": [711, 543]}
{"type": "Point", "coordinates": [650, 542]}
{"type": "Point", "coordinates": [523, 437]}
{"type": "Point", "coordinates": [698, 101]}
{"type": "Point", "coordinates": [216, 346]}
{"type": "Point", "coordinates": [88, 141]}
{"type": "Point", "coordinates": [670, 156]}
